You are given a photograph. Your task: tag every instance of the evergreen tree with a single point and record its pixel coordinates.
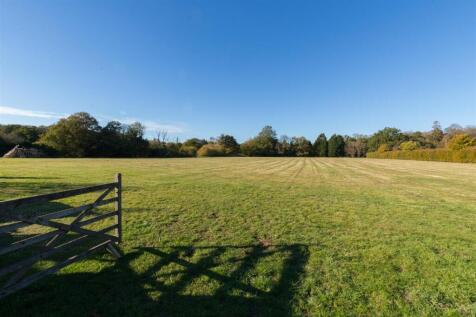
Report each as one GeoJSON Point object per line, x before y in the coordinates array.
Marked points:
{"type": "Point", "coordinates": [336, 146]}
{"type": "Point", "coordinates": [320, 145]}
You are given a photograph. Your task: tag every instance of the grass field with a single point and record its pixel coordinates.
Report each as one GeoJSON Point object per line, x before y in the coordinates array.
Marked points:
{"type": "Point", "coordinates": [266, 237]}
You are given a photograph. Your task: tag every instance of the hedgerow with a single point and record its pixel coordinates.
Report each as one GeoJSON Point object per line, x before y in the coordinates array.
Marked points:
{"type": "Point", "coordinates": [467, 155]}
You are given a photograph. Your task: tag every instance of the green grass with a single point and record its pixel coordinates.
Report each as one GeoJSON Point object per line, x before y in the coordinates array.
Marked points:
{"type": "Point", "coordinates": [265, 237]}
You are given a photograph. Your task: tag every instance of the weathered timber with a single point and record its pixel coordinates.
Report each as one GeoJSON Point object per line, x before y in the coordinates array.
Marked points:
{"type": "Point", "coordinates": [34, 277]}
{"type": "Point", "coordinates": [54, 215]}
{"type": "Point", "coordinates": [118, 196]}
{"type": "Point", "coordinates": [45, 254]}
{"type": "Point", "coordinates": [7, 205]}
{"type": "Point", "coordinates": [16, 273]}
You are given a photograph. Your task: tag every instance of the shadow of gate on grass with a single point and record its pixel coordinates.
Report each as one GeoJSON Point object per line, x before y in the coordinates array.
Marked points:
{"type": "Point", "coordinates": [126, 288]}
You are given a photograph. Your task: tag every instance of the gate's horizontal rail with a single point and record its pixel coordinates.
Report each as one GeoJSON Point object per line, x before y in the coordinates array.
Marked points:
{"type": "Point", "coordinates": [73, 228]}
{"type": "Point", "coordinates": [28, 241]}
{"type": "Point", "coordinates": [43, 255]}
{"type": "Point", "coordinates": [49, 243]}
{"type": "Point", "coordinates": [36, 276]}
{"type": "Point", "coordinates": [54, 215]}
{"type": "Point", "coordinates": [61, 228]}
{"type": "Point", "coordinates": [7, 205]}
{"type": "Point", "coordinates": [96, 219]}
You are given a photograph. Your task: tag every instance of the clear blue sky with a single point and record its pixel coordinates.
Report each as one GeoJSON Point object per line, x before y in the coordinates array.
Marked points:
{"type": "Point", "coordinates": [201, 68]}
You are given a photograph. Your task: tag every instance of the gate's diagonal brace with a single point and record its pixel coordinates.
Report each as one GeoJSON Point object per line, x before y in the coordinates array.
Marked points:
{"type": "Point", "coordinates": [65, 228]}
{"type": "Point", "coordinates": [19, 269]}
{"type": "Point", "coordinates": [81, 215]}
{"type": "Point", "coordinates": [113, 250]}
{"type": "Point", "coordinates": [36, 276]}
{"type": "Point", "coordinates": [73, 228]}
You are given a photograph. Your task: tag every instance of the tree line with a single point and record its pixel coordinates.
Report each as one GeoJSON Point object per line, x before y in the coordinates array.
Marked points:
{"type": "Point", "coordinates": [80, 135]}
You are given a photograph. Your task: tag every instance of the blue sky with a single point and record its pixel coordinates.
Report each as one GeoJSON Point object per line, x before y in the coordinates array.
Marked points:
{"type": "Point", "coordinates": [201, 68]}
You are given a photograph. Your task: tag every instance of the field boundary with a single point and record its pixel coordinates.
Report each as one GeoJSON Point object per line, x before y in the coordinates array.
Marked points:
{"type": "Point", "coordinates": [17, 272]}
{"type": "Point", "coordinates": [439, 155]}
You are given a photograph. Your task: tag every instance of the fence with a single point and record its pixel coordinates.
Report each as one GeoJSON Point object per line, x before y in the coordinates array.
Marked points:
{"type": "Point", "coordinates": [18, 274]}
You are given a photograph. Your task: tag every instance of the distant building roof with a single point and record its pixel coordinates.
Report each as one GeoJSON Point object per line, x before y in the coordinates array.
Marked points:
{"type": "Point", "coordinates": [19, 151]}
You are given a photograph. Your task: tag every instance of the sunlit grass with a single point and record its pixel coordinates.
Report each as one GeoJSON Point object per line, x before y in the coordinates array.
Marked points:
{"type": "Point", "coordinates": [266, 237]}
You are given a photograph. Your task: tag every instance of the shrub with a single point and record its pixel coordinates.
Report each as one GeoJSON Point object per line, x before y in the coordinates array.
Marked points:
{"type": "Point", "coordinates": [383, 148]}
{"type": "Point", "coordinates": [461, 141]}
{"type": "Point", "coordinates": [188, 150]}
{"type": "Point", "coordinates": [258, 147]}
{"type": "Point", "coordinates": [172, 149]}
{"type": "Point", "coordinates": [195, 142]}
{"type": "Point", "coordinates": [467, 155]}
{"type": "Point", "coordinates": [211, 149]}
{"type": "Point", "coordinates": [408, 146]}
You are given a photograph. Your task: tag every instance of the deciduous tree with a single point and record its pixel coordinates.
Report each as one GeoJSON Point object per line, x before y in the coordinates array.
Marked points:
{"type": "Point", "coordinates": [390, 136]}
{"type": "Point", "coordinates": [74, 136]}
{"type": "Point", "coordinates": [301, 146]}
{"type": "Point", "coordinates": [229, 144]}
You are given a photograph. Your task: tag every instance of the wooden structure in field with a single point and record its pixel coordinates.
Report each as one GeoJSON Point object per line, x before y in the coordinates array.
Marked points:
{"type": "Point", "coordinates": [23, 152]}
{"type": "Point", "coordinates": [20, 273]}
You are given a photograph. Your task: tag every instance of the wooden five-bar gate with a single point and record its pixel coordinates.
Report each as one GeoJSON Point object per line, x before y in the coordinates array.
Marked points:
{"type": "Point", "coordinates": [21, 272]}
